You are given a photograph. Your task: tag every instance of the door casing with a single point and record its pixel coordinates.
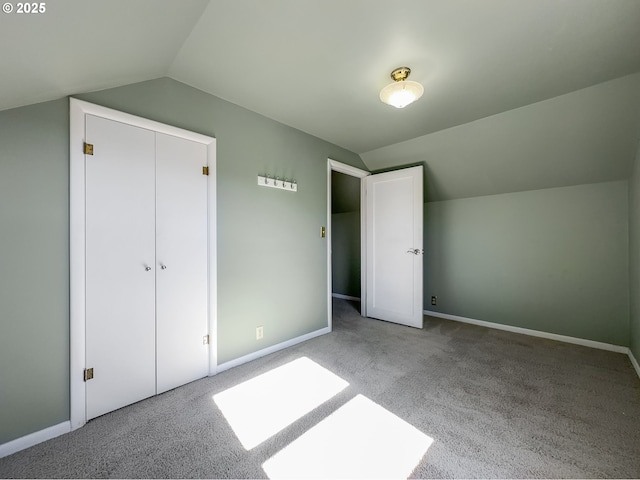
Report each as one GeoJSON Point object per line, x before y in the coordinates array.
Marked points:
{"type": "Point", "coordinates": [333, 165]}
{"type": "Point", "coordinates": [78, 110]}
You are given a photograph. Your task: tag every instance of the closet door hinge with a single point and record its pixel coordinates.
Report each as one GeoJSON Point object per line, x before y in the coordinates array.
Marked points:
{"type": "Point", "coordinates": [88, 148]}
{"type": "Point", "coordinates": [205, 340]}
{"type": "Point", "coordinates": [205, 170]}
{"type": "Point", "coordinates": [88, 374]}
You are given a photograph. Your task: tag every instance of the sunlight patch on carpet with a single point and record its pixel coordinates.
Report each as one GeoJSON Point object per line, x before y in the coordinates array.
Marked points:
{"type": "Point", "coordinates": [359, 440]}
{"type": "Point", "coordinates": [261, 407]}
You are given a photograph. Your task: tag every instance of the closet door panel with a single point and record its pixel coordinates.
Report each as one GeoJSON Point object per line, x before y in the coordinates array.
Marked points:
{"type": "Point", "coordinates": [182, 262]}
{"type": "Point", "coordinates": [120, 264]}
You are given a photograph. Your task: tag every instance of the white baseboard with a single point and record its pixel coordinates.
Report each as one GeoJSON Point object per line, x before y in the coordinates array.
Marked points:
{"type": "Point", "coordinates": [40, 436]}
{"type": "Point", "coordinates": [34, 438]}
{"type": "Point", "coordinates": [345, 297]}
{"type": "Point", "coordinates": [271, 349]}
{"type": "Point", "coordinates": [65, 427]}
{"type": "Point", "coordinates": [533, 333]}
{"type": "Point", "coordinates": [634, 362]}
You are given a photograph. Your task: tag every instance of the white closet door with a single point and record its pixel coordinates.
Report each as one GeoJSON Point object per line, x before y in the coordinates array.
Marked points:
{"type": "Point", "coordinates": [120, 265]}
{"type": "Point", "coordinates": [181, 267]}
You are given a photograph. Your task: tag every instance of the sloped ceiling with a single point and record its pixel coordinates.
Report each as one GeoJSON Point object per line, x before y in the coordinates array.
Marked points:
{"type": "Point", "coordinates": [587, 136]}
{"type": "Point", "coordinates": [77, 46]}
{"type": "Point", "coordinates": [318, 65]}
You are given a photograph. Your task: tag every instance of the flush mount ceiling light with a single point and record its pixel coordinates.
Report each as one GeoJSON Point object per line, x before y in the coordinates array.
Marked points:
{"type": "Point", "coordinates": [401, 92]}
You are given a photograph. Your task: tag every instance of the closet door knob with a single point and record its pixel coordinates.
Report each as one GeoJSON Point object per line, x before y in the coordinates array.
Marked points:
{"type": "Point", "coordinates": [147, 268]}
{"type": "Point", "coordinates": [163, 267]}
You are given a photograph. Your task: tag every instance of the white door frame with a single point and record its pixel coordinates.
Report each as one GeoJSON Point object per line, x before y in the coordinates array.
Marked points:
{"type": "Point", "coordinates": [333, 165]}
{"type": "Point", "coordinates": [78, 110]}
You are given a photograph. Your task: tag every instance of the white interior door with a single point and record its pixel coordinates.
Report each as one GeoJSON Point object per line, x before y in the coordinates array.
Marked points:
{"type": "Point", "coordinates": [394, 246]}
{"type": "Point", "coordinates": [181, 267]}
{"type": "Point", "coordinates": [120, 264]}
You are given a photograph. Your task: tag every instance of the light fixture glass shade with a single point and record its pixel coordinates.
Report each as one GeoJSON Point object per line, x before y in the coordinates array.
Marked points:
{"type": "Point", "coordinates": [402, 93]}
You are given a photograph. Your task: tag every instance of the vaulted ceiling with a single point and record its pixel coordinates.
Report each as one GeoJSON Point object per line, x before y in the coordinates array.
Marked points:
{"type": "Point", "coordinates": [318, 65]}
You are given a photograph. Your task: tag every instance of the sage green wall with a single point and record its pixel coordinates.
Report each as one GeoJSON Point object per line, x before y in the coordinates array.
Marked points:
{"type": "Point", "coordinates": [34, 268]}
{"type": "Point", "coordinates": [554, 260]}
{"type": "Point", "coordinates": [271, 259]}
{"type": "Point", "coordinates": [345, 193]}
{"type": "Point", "coordinates": [634, 258]}
{"type": "Point", "coordinates": [345, 253]}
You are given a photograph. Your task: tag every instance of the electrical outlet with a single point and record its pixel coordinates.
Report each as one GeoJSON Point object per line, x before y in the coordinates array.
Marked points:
{"type": "Point", "coordinates": [434, 300]}
{"type": "Point", "coordinates": [259, 332]}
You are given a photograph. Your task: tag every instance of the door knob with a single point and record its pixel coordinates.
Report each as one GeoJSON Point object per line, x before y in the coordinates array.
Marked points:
{"type": "Point", "coordinates": [163, 267]}
{"type": "Point", "coordinates": [147, 268]}
{"type": "Point", "coordinates": [415, 251]}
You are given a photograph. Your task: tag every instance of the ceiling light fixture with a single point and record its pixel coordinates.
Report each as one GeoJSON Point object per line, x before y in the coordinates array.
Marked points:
{"type": "Point", "coordinates": [401, 92]}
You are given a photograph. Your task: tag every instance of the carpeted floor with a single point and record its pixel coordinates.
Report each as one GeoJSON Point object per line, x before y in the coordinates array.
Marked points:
{"type": "Point", "coordinates": [495, 404]}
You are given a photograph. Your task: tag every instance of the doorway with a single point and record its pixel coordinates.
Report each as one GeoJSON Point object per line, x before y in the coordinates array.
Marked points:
{"type": "Point", "coordinates": [345, 237]}
{"type": "Point", "coordinates": [345, 243]}
{"type": "Point", "coordinates": [391, 231]}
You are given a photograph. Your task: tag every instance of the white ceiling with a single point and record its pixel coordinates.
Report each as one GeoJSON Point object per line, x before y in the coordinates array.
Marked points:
{"type": "Point", "coordinates": [83, 45]}
{"type": "Point", "coordinates": [587, 136]}
{"type": "Point", "coordinates": [318, 65]}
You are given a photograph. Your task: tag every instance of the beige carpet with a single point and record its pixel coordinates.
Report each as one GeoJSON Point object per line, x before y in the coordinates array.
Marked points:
{"type": "Point", "coordinates": [448, 401]}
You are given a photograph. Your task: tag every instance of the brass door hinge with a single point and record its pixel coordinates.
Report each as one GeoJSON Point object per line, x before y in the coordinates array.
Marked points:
{"type": "Point", "coordinates": [205, 170]}
{"type": "Point", "coordinates": [88, 148]}
{"type": "Point", "coordinates": [88, 374]}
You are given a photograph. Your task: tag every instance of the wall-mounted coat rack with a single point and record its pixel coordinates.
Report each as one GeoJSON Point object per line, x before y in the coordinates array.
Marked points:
{"type": "Point", "coordinates": [277, 182]}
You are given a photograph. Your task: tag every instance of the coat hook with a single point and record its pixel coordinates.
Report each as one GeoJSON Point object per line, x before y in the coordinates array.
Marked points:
{"type": "Point", "coordinates": [282, 183]}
